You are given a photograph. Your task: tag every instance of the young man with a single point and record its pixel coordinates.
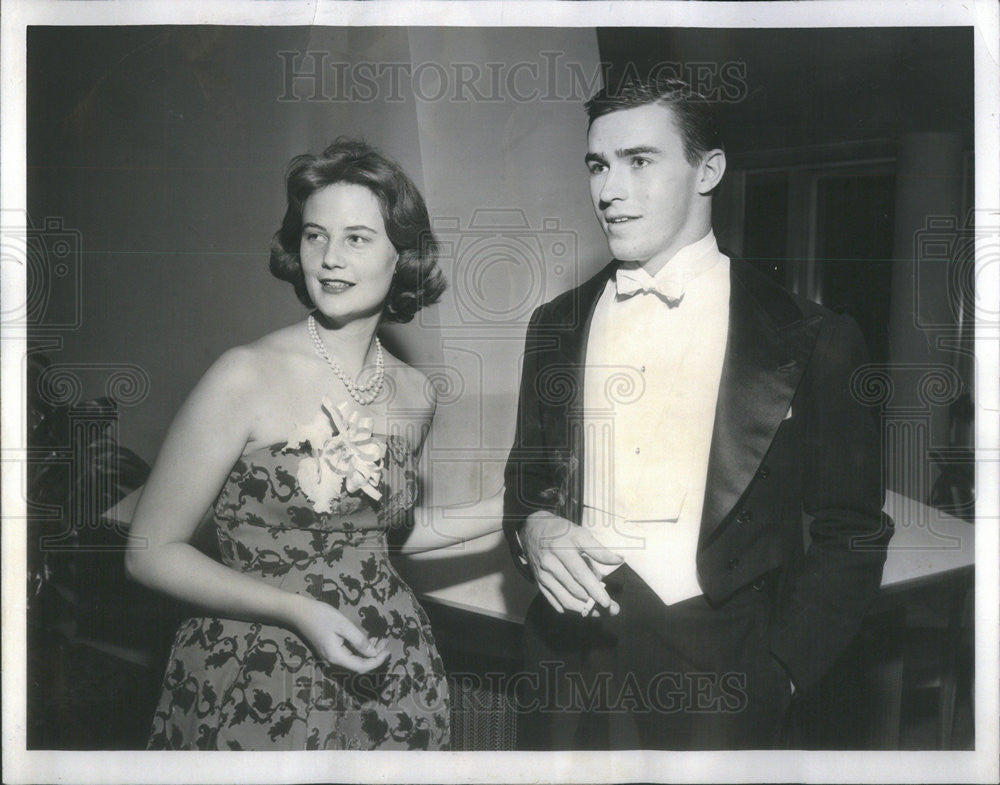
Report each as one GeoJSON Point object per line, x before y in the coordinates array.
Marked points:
{"type": "Point", "coordinates": [678, 414]}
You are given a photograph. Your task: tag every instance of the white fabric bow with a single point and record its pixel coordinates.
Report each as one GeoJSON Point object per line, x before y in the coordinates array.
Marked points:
{"type": "Point", "coordinates": [345, 456]}
{"type": "Point", "coordinates": [630, 281]}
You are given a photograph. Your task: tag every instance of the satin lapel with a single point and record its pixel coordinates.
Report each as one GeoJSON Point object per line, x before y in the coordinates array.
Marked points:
{"type": "Point", "coordinates": [573, 317]}
{"type": "Point", "coordinates": [768, 346]}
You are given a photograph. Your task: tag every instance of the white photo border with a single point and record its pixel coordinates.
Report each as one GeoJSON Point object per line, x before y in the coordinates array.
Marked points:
{"type": "Point", "coordinates": [980, 765]}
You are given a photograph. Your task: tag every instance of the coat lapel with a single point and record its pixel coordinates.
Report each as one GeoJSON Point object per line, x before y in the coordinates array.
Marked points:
{"type": "Point", "coordinates": [768, 346]}
{"type": "Point", "coordinates": [574, 314]}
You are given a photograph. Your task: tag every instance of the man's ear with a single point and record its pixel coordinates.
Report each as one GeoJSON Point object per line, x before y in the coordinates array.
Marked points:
{"type": "Point", "coordinates": [713, 166]}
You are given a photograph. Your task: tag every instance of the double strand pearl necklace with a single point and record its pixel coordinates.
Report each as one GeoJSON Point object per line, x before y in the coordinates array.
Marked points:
{"type": "Point", "coordinates": [363, 394]}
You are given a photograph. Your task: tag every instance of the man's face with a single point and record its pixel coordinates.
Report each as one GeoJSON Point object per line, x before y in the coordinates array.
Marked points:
{"type": "Point", "coordinates": [644, 190]}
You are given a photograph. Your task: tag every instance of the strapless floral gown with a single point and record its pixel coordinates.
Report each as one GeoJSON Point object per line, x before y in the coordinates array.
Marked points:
{"type": "Point", "coordinates": [310, 515]}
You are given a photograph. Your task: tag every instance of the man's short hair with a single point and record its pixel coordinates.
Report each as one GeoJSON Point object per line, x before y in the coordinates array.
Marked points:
{"type": "Point", "coordinates": [695, 114]}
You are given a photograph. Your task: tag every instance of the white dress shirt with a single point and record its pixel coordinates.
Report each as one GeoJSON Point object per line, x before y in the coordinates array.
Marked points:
{"type": "Point", "coordinates": [650, 387]}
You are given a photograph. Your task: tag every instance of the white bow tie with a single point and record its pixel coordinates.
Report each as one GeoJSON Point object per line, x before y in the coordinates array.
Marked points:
{"type": "Point", "coordinates": [631, 281]}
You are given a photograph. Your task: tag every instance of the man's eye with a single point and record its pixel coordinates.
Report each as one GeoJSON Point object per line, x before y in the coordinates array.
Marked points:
{"type": "Point", "coordinates": [638, 162]}
{"type": "Point", "coordinates": [595, 168]}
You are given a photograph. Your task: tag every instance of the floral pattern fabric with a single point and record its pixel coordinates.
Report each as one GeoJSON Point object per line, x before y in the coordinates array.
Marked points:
{"type": "Point", "coordinates": [237, 685]}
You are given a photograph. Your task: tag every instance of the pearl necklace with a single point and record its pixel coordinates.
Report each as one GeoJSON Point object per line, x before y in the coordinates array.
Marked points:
{"type": "Point", "coordinates": [363, 394]}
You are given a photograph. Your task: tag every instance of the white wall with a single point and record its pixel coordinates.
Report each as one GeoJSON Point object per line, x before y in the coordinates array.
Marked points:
{"type": "Point", "coordinates": [505, 179]}
{"type": "Point", "coordinates": [164, 150]}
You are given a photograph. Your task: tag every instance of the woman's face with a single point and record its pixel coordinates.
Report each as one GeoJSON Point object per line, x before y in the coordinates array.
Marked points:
{"type": "Point", "coordinates": [347, 258]}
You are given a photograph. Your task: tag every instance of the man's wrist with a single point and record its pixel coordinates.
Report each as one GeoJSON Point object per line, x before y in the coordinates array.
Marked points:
{"type": "Point", "coordinates": [522, 554]}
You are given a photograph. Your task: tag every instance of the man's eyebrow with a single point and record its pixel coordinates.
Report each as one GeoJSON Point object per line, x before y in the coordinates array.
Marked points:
{"type": "Point", "coordinates": [354, 228]}
{"type": "Point", "coordinates": [623, 152]}
{"type": "Point", "coordinates": [628, 152]}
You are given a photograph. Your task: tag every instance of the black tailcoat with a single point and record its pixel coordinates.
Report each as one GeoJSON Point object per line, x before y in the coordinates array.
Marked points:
{"type": "Point", "coordinates": [767, 474]}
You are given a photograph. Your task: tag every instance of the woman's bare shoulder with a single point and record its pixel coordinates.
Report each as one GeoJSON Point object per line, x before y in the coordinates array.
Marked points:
{"type": "Point", "coordinates": [285, 341]}
{"type": "Point", "coordinates": [248, 366]}
{"type": "Point", "coordinates": [234, 369]}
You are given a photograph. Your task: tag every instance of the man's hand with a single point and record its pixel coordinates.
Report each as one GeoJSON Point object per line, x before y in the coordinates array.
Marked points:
{"type": "Point", "coordinates": [561, 556]}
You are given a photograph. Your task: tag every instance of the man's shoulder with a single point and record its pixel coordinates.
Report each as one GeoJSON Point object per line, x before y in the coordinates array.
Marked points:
{"type": "Point", "coordinates": [571, 308]}
{"type": "Point", "coordinates": [784, 307]}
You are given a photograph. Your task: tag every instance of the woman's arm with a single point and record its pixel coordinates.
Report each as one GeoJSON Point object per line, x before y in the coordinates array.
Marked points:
{"type": "Point", "coordinates": [431, 528]}
{"type": "Point", "coordinates": [439, 527]}
{"type": "Point", "coordinates": [204, 441]}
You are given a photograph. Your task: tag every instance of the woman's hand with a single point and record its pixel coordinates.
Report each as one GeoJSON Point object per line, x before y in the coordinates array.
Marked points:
{"type": "Point", "coordinates": [335, 639]}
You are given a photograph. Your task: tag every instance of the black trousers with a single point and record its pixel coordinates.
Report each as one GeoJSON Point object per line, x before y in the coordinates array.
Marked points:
{"type": "Point", "coordinates": [677, 677]}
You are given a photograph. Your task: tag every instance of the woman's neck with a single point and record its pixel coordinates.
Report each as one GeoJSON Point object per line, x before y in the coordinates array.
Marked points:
{"type": "Point", "coordinates": [351, 344]}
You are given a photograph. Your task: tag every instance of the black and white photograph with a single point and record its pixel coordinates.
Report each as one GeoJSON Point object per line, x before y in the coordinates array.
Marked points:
{"type": "Point", "coordinates": [542, 392]}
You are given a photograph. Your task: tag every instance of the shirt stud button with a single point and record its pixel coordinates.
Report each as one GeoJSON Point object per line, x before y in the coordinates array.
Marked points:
{"type": "Point", "coordinates": [636, 450]}
{"type": "Point", "coordinates": [642, 369]}
{"type": "Point", "coordinates": [732, 564]}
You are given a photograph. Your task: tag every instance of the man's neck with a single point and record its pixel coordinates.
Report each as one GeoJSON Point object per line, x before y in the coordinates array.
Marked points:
{"type": "Point", "coordinates": [653, 265]}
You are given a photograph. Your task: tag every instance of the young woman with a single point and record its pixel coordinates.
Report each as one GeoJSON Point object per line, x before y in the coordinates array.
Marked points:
{"type": "Point", "coordinates": [312, 433]}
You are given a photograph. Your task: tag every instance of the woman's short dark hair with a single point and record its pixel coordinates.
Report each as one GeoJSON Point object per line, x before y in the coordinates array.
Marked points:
{"type": "Point", "coordinates": [418, 280]}
{"type": "Point", "coordinates": [695, 114]}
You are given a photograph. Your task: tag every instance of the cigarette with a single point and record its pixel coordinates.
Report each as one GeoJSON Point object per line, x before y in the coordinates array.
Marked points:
{"type": "Point", "coordinates": [591, 602]}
